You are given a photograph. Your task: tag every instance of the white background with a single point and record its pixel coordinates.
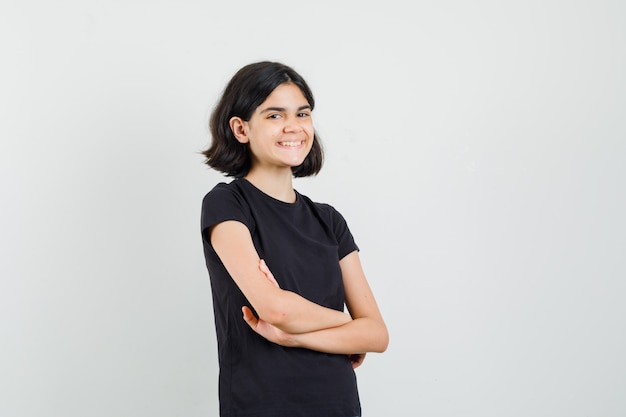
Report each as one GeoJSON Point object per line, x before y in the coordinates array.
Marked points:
{"type": "Point", "coordinates": [477, 150]}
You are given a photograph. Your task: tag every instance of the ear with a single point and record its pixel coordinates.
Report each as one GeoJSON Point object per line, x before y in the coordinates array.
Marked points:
{"type": "Point", "coordinates": [239, 128]}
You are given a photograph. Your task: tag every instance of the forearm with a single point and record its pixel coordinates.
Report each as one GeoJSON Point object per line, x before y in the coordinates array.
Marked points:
{"type": "Point", "coordinates": [290, 320]}
{"type": "Point", "coordinates": [292, 313]}
{"type": "Point", "coordinates": [358, 336]}
{"type": "Point", "coordinates": [295, 314]}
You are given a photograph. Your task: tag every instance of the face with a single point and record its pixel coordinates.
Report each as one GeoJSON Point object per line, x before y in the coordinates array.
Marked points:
{"type": "Point", "coordinates": [280, 131]}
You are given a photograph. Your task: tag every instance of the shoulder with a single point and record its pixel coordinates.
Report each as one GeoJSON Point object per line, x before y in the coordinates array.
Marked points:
{"type": "Point", "coordinates": [223, 191]}
{"type": "Point", "coordinates": [225, 198]}
{"type": "Point", "coordinates": [335, 224]}
{"type": "Point", "coordinates": [326, 210]}
{"type": "Point", "coordinates": [225, 202]}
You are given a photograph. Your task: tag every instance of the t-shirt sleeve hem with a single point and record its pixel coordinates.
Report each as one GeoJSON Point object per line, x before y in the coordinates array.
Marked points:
{"type": "Point", "coordinates": [222, 204]}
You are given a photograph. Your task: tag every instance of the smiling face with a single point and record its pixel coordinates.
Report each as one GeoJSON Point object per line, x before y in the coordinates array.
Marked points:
{"type": "Point", "coordinates": [280, 131]}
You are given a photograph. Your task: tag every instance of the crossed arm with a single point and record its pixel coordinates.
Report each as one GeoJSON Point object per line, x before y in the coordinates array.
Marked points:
{"type": "Point", "coordinates": [288, 319]}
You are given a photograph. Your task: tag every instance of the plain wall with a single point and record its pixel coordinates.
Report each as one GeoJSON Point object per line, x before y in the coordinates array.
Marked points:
{"type": "Point", "coordinates": [477, 150]}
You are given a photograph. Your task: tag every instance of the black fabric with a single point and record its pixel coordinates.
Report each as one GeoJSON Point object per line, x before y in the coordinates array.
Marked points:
{"type": "Point", "coordinates": [302, 244]}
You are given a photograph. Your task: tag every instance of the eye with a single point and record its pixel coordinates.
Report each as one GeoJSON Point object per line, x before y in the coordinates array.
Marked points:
{"type": "Point", "coordinates": [274, 116]}
{"type": "Point", "coordinates": [304, 114]}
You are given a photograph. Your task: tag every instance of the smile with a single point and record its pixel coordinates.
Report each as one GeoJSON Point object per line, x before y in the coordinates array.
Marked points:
{"type": "Point", "coordinates": [291, 144]}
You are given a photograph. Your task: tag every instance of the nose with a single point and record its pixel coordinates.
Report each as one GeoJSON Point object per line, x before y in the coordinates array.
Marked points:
{"type": "Point", "coordinates": [293, 125]}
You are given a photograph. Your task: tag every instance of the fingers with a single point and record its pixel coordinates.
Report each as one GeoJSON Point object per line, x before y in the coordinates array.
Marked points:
{"type": "Point", "coordinates": [263, 267]}
{"type": "Point", "coordinates": [249, 317]}
{"type": "Point", "coordinates": [356, 359]}
{"type": "Point", "coordinates": [268, 274]}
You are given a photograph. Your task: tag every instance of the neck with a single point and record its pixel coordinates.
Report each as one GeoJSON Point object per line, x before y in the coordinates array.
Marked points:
{"type": "Point", "coordinates": [276, 184]}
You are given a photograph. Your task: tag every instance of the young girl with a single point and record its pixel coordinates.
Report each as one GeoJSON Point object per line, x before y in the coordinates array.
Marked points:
{"type": "Point", "coordinates": [282, 267]}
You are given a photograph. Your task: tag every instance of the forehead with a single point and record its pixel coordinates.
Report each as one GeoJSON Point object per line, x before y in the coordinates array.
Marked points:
{"type": "Point", "coordinates": [285, 95]}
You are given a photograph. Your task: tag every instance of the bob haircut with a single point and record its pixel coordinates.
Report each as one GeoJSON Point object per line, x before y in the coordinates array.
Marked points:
{"type": "Point", "coordinates": [246, 91]}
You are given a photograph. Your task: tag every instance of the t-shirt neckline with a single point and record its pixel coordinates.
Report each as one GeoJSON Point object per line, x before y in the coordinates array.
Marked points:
{"type": "Point", "coordinates": [269, 197]}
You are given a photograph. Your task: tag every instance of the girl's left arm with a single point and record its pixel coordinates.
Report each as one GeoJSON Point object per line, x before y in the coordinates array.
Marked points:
{"type": "Point", "coordinates": [366, 332]}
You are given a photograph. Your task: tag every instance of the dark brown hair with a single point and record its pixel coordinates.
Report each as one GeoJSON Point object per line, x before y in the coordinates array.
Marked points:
{"type": "Point", "coordinates": [246, 91]}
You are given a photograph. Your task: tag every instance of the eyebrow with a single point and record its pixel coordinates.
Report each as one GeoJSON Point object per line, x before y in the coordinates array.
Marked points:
{"type": "Point", "coordinates": [283, 109]}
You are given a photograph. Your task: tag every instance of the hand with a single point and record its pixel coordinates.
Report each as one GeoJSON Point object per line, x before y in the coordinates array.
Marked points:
{"type": "Point", "coordinates": [263, 328]}
{"type": "Point", "coordinates": [356, 359]}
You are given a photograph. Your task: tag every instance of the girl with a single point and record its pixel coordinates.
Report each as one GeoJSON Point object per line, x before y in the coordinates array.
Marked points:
{"type": "Point", "coordinates": [282, 267]}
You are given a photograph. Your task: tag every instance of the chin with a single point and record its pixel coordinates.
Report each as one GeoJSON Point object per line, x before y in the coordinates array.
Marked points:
{"type": "Point", "coordinates": [297, 163]}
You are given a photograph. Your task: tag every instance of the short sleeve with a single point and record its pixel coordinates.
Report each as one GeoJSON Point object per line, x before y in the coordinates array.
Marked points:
{"type": "Point", "coordinates": [221, 204]}
{"type": "Point", "coordinates": [343, 235]}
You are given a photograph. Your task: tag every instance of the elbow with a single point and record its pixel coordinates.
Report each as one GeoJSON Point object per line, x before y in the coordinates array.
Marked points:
{"type": "Point", "coordinates": [382, 341]}
{"type": "Point", "coordinates": [277, 318]}
{"type": "Point", "coordinates": [275, 314]}
{"type": "Point", "coordinates": [274, 308]}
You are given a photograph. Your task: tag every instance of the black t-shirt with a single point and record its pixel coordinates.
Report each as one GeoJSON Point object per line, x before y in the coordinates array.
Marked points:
{"type": "Point", "coordinates": [302, 244]}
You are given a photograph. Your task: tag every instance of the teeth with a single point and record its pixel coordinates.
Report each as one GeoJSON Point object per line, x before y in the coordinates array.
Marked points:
{"type": "Point", "coordinates": [290, 143]}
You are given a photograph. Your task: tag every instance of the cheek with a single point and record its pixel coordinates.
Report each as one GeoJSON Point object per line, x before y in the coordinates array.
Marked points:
{"type": "Point", "coordinates": [310, 131]}
{"type": "Point", "coordinates": [266, 135]}
{"type": "Point", "coordinates": [272, 132]}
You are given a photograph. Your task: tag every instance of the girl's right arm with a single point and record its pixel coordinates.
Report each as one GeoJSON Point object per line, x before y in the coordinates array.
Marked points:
{"type": "Point", "coordinates": [283, 309]}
